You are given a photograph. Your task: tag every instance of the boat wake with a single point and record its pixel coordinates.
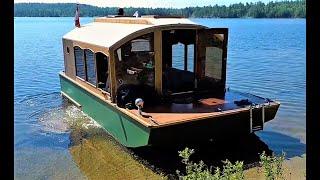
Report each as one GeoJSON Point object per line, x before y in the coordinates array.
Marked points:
{"type": "Point", "coordinates": [63, 120]}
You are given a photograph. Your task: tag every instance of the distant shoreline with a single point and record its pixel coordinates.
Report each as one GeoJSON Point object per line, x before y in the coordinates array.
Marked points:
{"type": "Point", "coordinates": [274, 10]}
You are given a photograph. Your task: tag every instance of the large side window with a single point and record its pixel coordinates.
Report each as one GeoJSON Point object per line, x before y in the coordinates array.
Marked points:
{"type": "Point", "coordinates": [80, 66]}
{"type": "Point", "coordinates": [135, 62]}
{"type": "Point", "coordinates": [91, 66]}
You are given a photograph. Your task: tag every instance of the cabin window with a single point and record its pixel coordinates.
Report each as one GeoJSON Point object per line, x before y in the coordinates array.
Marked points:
{"type": "Point", "coordinates": [135, 62]}
{"type": "Point", "coordinates": [178, 56]}
{"type": "Point", "coordinates": [213, 63]}
{"type": "Point", "coordinates": [119, 54]}
{"type": "Point", "coordinates": [90, 66]}
{"type": "Point", "coordinates": [191, 59]}
{"type": "Point", "coordinates": [80, 65]}
{"type": "Point", "coordinates": [103, 75]}
{"type": "Point", "coordinates": [214, 58]}
{"type": "Point", "coordinates": [68, 50]}
{"type": "Point", "coordinates": [140, 45]}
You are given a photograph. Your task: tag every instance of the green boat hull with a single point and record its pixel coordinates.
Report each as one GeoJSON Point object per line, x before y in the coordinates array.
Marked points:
{"type": "Point", "coordinates": [131, 133]}
{"type": "Point", "coordinates": [124, 129]}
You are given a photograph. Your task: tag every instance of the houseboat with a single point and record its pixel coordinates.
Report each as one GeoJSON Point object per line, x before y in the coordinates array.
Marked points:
{"type": "Point", "coordinates": [154, 80]}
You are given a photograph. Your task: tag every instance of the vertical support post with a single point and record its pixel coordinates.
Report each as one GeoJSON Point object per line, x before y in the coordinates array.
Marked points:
{"type": "Point", "coordinates": [224, 55]}
{"type": "Point", "coordinates": [85, 64]}
{"type": "Point", "coordinates": [250, 119]}
{"type": "Point", "coordinates": [112, 72]}
{"type": "Point", "coordinates": [263, 116]}
{"type": "Point", "coordinates": [185, 57]}
{"type": "Point", "coordinates": [158, 60]}
{"type": "Point", "coordinates": [96, 68]}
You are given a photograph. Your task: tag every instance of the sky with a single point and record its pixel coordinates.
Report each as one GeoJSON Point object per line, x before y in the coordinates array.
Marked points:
{"type": "Point", "coordinates": [147, 3]}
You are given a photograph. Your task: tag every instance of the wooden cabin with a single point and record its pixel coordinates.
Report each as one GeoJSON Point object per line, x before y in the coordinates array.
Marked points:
{"type": "Point", "coordinates": [176, 66]}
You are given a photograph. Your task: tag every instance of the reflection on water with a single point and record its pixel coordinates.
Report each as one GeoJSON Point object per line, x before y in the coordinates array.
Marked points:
{"type": "Point", "coordinates": [247, 149]}
{"type": "Point", "coordinates": [279, 143]}
{"type": "Point", "coordinates": [99, 156]}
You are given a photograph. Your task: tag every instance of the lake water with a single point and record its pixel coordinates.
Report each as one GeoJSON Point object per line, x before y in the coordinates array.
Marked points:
{"type": "Point", "coordinates": [54, 140]}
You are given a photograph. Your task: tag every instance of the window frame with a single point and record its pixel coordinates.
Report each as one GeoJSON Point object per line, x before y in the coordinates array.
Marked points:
{"type": "Point", "coordinates": [83, 61]}
{"type": "Point", "coordinates": [85, 69]}
{"type": "Point", "coordinates": [94, 66]}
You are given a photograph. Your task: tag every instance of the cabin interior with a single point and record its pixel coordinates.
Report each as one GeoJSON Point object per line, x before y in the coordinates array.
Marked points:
{"type": "Point", "coordinates": [174, 70]}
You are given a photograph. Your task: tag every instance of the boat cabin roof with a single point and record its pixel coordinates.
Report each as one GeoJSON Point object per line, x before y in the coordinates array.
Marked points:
{"type": "Point", "coordinates": [111, 32]}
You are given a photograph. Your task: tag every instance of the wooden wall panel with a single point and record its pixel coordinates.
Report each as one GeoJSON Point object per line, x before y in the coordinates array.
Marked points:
{"type": "Point", "coordinates": [69, 61]}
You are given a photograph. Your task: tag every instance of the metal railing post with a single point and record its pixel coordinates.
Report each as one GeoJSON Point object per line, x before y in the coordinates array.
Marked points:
{"type": "Point", "coordinates": [250, 118]}
{"type": "Point", "coordinates": [263, 116]}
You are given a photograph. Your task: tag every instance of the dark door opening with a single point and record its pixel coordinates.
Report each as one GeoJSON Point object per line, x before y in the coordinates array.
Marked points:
{"type": "Point", "coordinates": [103, 72]}
{"type": "Point", "coordinates": [178, 61]}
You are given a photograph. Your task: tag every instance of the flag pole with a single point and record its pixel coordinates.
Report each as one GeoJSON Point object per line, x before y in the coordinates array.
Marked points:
{"type": "Point", "coordinates": [77, 17]}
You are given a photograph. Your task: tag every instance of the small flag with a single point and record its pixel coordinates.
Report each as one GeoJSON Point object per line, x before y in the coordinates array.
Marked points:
{"type": "Point", "coordinates": [136, 14]}
{"type": "Point", "coordinates": [77, 17]}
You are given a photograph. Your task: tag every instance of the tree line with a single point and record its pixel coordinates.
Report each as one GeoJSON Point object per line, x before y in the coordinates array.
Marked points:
{"type": "Point", "coordinates": [283, 9]}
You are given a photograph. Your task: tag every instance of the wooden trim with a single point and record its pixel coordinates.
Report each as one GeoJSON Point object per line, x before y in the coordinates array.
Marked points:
{"type": "Point", "coordinates": [112, 72]}
{"type": "Point", "coordinates": [123, 20]}
{"type": "Point", "coordinates": [77, 77]}
{"type": "Point", "coordinates": [92, 47]}
{"type": "Point", "coordinates": [158, 60]}
{"type": "Point", "coordinates": [224, 56]}
{"type": "Point", "coordinates": [85, 63]}
{"type": "Point", "coordinates": [95, 67]}
{"type": "Point", "coordinates": [153, 29]}
{"type": "Point", "coordinates": [104, 92]}
{"type": "Point", "coordinates": [195, 63]}
{"type": "Point", "coordinates": [106, 50]}
{"type": "Point", "coordinates": [212, 115]}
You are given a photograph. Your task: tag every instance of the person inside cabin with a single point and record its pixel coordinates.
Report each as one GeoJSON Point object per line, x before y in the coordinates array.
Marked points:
{"type": "Point", "coordinates": [120, 12]}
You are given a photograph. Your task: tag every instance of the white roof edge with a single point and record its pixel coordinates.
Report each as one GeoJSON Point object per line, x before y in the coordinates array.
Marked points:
{"type": "Point", "coordinates": [106, 34]}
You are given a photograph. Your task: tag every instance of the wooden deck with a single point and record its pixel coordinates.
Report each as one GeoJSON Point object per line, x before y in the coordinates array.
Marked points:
{"type": "Point", "coordinates": [173, 113]}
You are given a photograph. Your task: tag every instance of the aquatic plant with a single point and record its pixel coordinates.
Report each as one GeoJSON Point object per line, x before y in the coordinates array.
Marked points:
{"type": "Point", "coordinates": [272, 166]}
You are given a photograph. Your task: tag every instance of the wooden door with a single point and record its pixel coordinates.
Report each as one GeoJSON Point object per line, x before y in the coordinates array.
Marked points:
{"type": "Point", "coordinates": [211, 54]}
